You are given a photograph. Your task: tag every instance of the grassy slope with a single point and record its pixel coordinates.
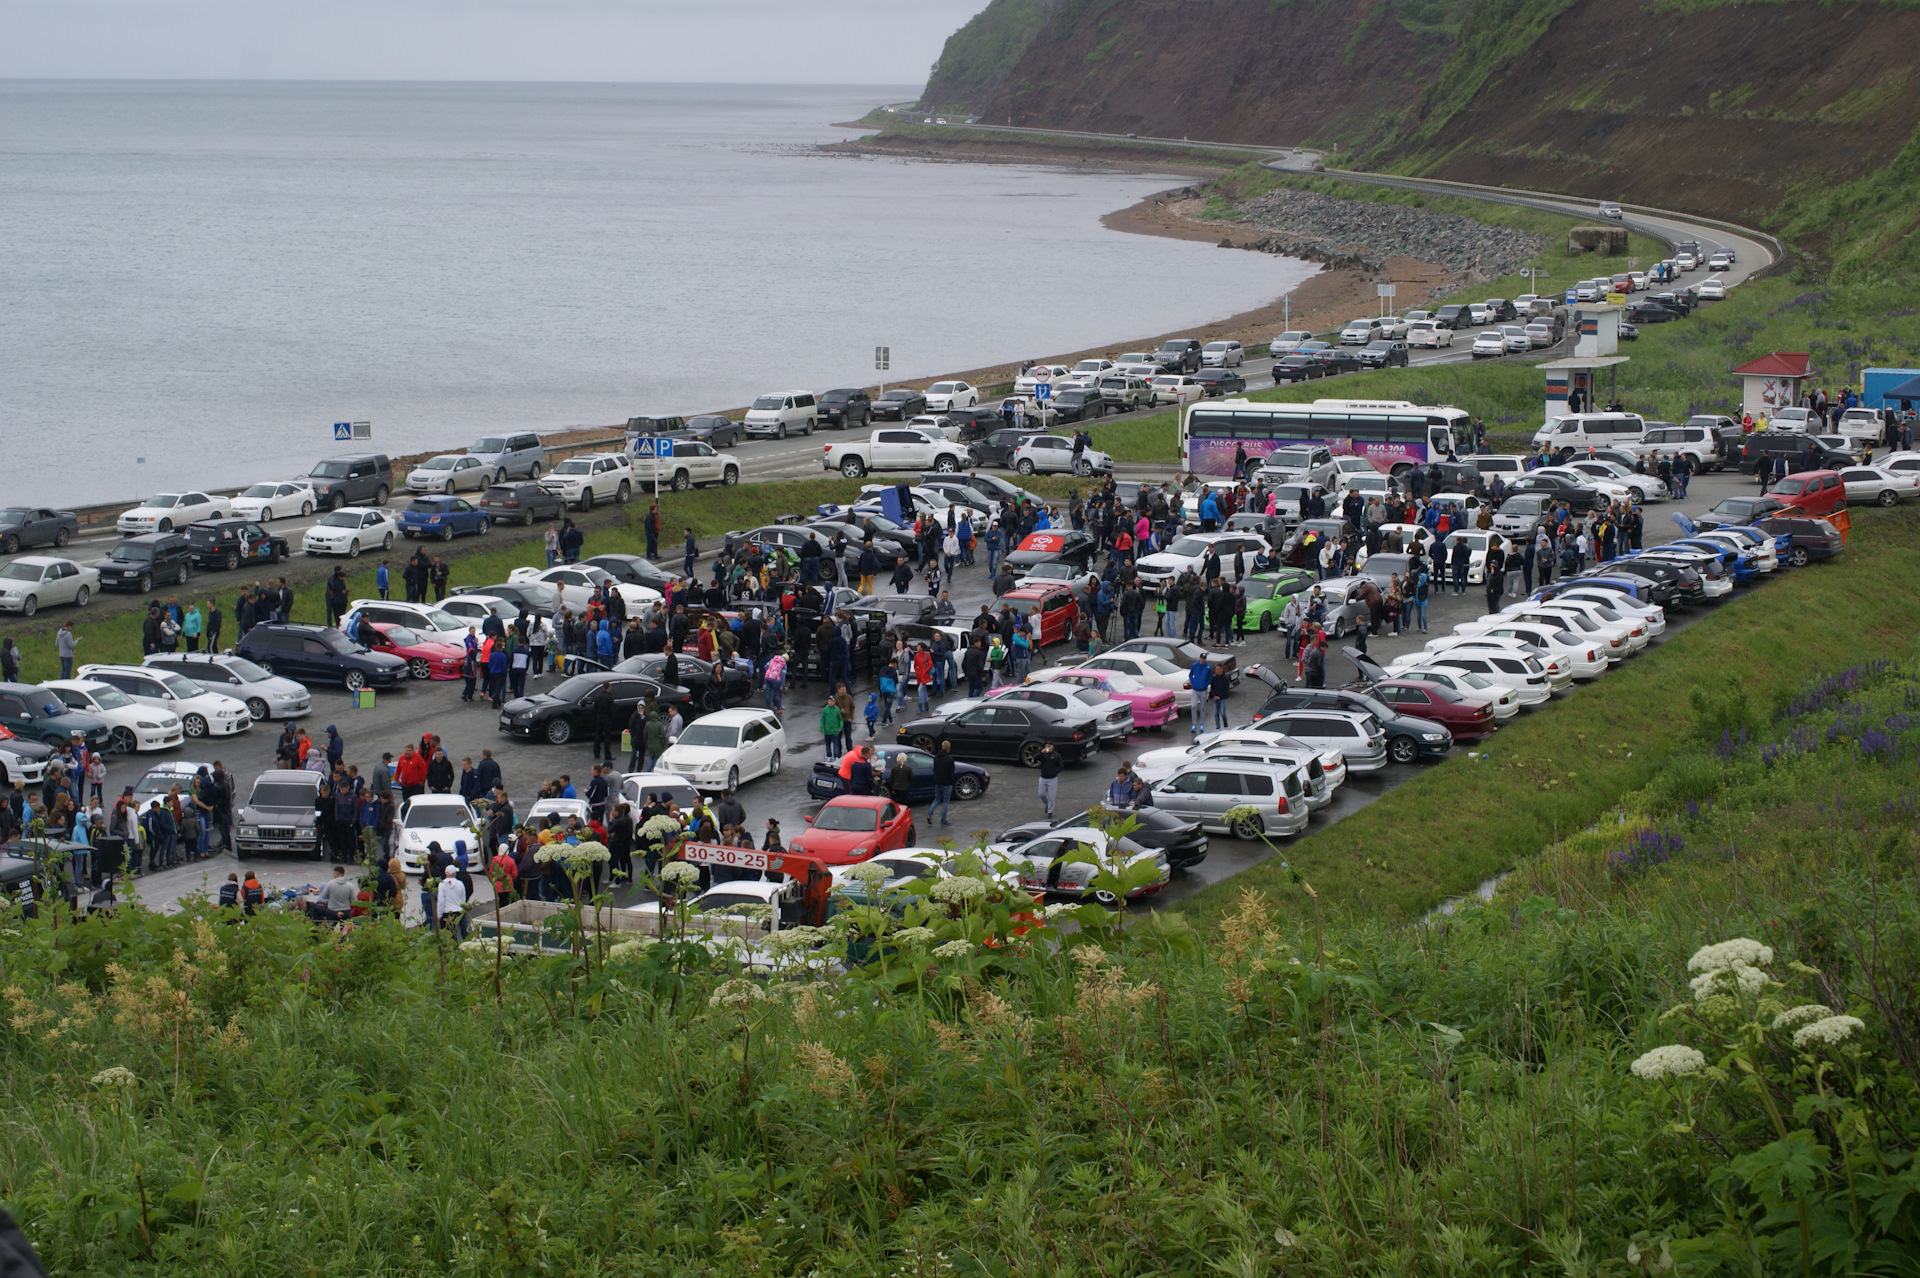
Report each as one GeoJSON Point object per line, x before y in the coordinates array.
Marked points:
{"type": "Point", "coordinates": [982, 53]}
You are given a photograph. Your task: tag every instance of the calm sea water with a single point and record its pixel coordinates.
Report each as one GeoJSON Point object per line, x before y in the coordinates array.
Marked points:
{"type": "Point", "coordinates": [206, 275]}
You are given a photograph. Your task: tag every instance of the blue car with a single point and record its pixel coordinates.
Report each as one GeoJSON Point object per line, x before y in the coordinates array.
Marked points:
{"type": "Point", "coordinates": [969, 781]}
{"type": "Point", "coordinates": [1744, 565]}
{"type": "Point", "coordinates": [443, 517]}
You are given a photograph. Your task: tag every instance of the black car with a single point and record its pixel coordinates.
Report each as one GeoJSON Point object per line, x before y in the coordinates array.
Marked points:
{"type": "Point", "coordinates": [1179, 355]}
{"type": "Point", "coordinates": [969, 781]}
{"type": "Point", "coordinates": [1669, 583]}
{"type": "Point", "coordinates": [997, 449]}
{"type": "Point", "coordinates": [736, 683]}
{"type": "Point", "coordinates": [1650, 312]}
{"type": "Point", "coordinates": [22, 526]}
{"type": "Point", "coordinates": [1792, 445]}
{"type": "Point", "coordinates": [1739, 511]}
{"type": "Point", "coordinates": [899, 608]}
{"type": "Point", "coordinates": [843, 408]}
{"type": "Point", "coordinates": [34, 714]}
{"type": "Point", "coordinates": [533, 597]}
{"type": "Point", "coordinates": [1000, 732]}
{"type": "Point", "coordinates": [569, 710]}
{"type": "Point", "coordinates": [1218, 383]}
{"type": "Point", "coordinates": [1680, 301]}
{"type": "Point", "coordinates": [1184, 843]}
{"type": "Point", "coordinates": [772, 537]}
{"type": "Point", "coordinates": [1298, 368]}
{"type": "Point", "coordinates": [520, 503]}
{"type": "Point", "coordinates": [1338, 359]}
{"type": "Point", "coordinates": [890, 545]}
{"type": "Point", "coordinates": [715, 429]}
{"type": "Point", "coordinates": [898, 405]}
{"type": "Point", "coordinates": [1456, 477]}
{"type": "Point", "coordinates": [974, 423]}
{"type": "Point", "coordinates": [1811, 538]}
{"type": "Point", "coordinates": [228, 543]}
{"type": "Point", "coordinates": [1063, 546]}
{"type": "Point", "coordinates": [1076, 404]}
{"type": "Point", "coordinates": [139, 562]}
{"type": "Point", "coordinates": [1579, 497]}
{"type": "Point", "coordinates": [633, 570]}
{"type": "Point", "coordinates": [1408, 739]}
{"type": "Point", "coordinates": [1454, 317]}
{"type": "Point", "coordinates": [318, 655]}
{"type": "Point", "coordinates": [1384, 353]}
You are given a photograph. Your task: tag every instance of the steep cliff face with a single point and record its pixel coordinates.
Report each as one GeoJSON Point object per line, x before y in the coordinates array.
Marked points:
{"type": "Point", "coordinates": [1722, 106]}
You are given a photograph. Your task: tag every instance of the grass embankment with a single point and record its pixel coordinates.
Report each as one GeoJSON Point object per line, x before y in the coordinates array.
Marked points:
{"type": "Point", "coordinates": [1130, 150]}
{"type": "Point", "coordinates": [472, 560]}
{"type": "Point", "coordinates": [1560, 768]}
{"type": "Point", "coordinates": [199, 1095]}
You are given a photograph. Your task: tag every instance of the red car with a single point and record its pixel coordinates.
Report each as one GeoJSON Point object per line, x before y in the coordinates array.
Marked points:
{"type": "Point", "coordinates": [1467, 718]}
{"type": "Point", "coordinates": [1058, 611]}
{"type": "Point", "coordinates": [425, 658]}
{"type": "Point", "coordinates": [1817, 493]}
{"type": "Point", "coordinates": [854, 827]}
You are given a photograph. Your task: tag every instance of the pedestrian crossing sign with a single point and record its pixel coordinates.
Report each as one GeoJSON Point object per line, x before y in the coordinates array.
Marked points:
{"type": "Point", "coordinates": [343, 432]}
{"type": "Point", "coordinates": [651, 448]}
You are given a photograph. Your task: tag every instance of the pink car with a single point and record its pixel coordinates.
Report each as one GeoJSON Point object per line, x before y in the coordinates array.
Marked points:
{"type": "Point", "coordinates": [1152, 707]}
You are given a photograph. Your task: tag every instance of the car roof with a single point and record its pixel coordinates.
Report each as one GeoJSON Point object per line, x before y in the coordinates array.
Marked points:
{"type": "Point", "coordinates": [737, 715]}
{"type": "Point", "coordinates": [858, 800]}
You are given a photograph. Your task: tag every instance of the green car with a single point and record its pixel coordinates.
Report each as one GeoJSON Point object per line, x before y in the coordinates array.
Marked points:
{"type": "Point", "coordinates": [1267, 594]}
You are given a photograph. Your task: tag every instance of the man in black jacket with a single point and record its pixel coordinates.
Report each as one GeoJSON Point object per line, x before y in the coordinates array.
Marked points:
{"type": "Point", "coordinates": [440, 776]}
{"type": "Point", "coordinates": [603, 723]}
{"type": "Point", "coordinates": [1049, 777]}
{"type": "Point", "coordinates": [943, 771]}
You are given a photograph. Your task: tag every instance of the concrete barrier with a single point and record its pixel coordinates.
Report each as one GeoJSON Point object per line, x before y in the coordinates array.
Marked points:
{"type": "Point", "coordinates": [1608, 241]}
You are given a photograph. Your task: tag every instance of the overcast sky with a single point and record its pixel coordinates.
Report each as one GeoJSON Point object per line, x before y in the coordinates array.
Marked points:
{"type": "Point", "coordinates": [748, 41]}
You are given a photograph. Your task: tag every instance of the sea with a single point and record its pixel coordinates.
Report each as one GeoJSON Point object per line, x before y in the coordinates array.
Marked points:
{"type": "Point", "coordinates": [198, 279]}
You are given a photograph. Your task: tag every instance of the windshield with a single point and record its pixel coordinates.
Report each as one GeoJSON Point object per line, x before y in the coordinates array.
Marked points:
{"type": "Point", "coordinates": [15, 515]}
{"type": "Point", "coordinates": [181, 687]}
{"type": "Point", "coordinates": [1257, 590]}
{"type": "Point", "coordinates": [424, 506]}
{"type": "Point", "coordinates": [428, 816]}
{"type": "Point", "coordinates": [340, 519]}
{"type": "Point", "coordinates": [770, 403]}
{"type": "Point", "coordinates": [21, 572]}
{"type": "Point", "coordinates": [492, 444]}
{"type": "Point", "coordinates": [576, 689]}
{"type": "Point", "coordinates": [131, 552]}
{"type": "Point", "coordinates": [573, 466]}
{"type": "Point", "coordinates": [856, 820]}
{"type": "Point", "coordinates": [402, 636]}
{"type": "Point", "coordinates": [329, 470]}
{"type": "Point", "coordinates": [1191, 547]}
{"type": "Point", "coordinates": [244, 670]}
{"type": "Point", "coordinates": [710, 735]}
{"type": "Point", "coordinates": [944, 388]}
{"type": "Point", "coordinates": [1161, 666]}
{"type": "Point", "coordinates": [163, 501]}
{"type": "Point", "coordinates": [279, 794]}
{"type": "Point", "coordinates": [1791, 487]}
{"type": "Point", "coordinates": [437, 463]}
{"type": "Point", "coordinates": [111, 698]}
{"type": "Point", "coordinates": [261, 490]}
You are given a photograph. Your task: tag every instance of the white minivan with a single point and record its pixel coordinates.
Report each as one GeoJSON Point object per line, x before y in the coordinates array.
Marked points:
{"type": "Point", "coordinates": [781, 413]}
{"type": "Point", "coordinates": [1589, 430]}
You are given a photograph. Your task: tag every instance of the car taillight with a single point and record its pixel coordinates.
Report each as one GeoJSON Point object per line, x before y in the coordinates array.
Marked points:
{"type": "Point", "coordinates": [1282, 808]}
{"type": "Point", "coordinates": [1080, 734]}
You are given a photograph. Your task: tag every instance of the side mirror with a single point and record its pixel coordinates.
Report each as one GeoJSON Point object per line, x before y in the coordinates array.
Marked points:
{"type": "Point", "coordinates": [809, 820]}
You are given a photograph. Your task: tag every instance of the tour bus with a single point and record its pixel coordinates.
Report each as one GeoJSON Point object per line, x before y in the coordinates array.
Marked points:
{"type": "Point", "coordinates": [1394, 435]}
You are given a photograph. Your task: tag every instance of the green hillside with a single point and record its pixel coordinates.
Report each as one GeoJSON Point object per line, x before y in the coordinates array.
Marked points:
{"type": "Point", "coordinates": [978, 58]}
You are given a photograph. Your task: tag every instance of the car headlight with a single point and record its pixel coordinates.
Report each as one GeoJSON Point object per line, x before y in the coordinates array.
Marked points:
{"type": "Point", "coordinates": [142, 723]}
{"type": "Point", "coordinates": [1433, 736]}
{"type": "Point", "coordinates": [249, 831]}
{"type": "Point", "coordinates": [860, 851]}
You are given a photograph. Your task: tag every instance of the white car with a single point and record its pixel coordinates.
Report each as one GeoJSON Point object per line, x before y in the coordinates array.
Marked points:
{"type": "Point", "coordinates": [1155, 766]}
{"type": "Point", "coordinates": [1639, 487]}
{"type": "Point", "coordinates": [164, 512]}
{"type": "Point", "coordinates": [1685, 261]}
{"type": "Point", "coordinates": [428, 620]}
{"type": "Point", "coordinates": [1580, 656]}
{"type": "Point", "coordinates": [1188, 552]}
{"type": "Point", "coordinates": [1517, 340]}
{"type": "Point", "coordinates": [473, 609]}
{"type": "Point", "coordinates": [1749, 541]}
{"type": "Point", "coordinates": [1650, 615]}
{"type": "Point", "coordinates": [275, 499]}
{"type": "Point", "coordinates": [202, 713]}
{"type": "Point", "coordinates": [32, 582]}
{"type": "Point", "coordinates": [1478, 541]}
{"type": "Point", "coordinates": [1520, 672]}
{"type": "Point", "coordinates": [350, 530]}
{"type": "Point", "coordinates": [1054, 455]}
{"type": "Point", "coordinates": [1148, 670]}
{"type": "Point", "coordinates": [1493, 342]}
{"type": "Point", "coordinates": [1612, 489]}
{"type": "Point", "coordinates": [1092, 368]}
{"type": "Point", "coordinates": [582, 480]}
{"type": "Point", "coordinates": [694, 464]}
{"type": "Point", "coordinates": [1361, 331]}
{"type": "Point", "coordinates": [267, 696]}
{"type": "Point", "coordinates": [718, 751]}
{"type": "Point", "coordinates": [1188, 507]}
{"type": "Point", "coordinates": [130, 725]}
{"type": "Point", "coordinates": [780, 413]}
{"type": "Point", "coordinates": [1712, 290]}
{"type": "Point", "coordinates": [448, 473]}
{"type": "Point", "coordinates": [1428, 333]}
{"type": "Point", "coordinates": [1558, 669]}
{"type": "Point", "coordinates": [1584, 625]}
{"type": "Point", "coordinates": [945, 396]}
{"type": "Point", "coordinates": [1861, 423]}
{"type": "Point", "coordinates": [1065, 862]}
{"type": "Point", "coordinates": [1288, 342]}
{"type": "Point", "coordinates": [544, 810]}
{"type": "Point", "coordinates": [1479, 313]}
{"type": "Point", "coordinates": [1053, 574]}
{"type": "Point", "coordinates": [1176, 388]}
{"type": "Point", "coordinates": [1222, 355]}
{"type": "Point", "coordinates": [894, 448]}
{"type": "Point", "coordinates": [439, 818]}
{"type": "Point", "coordinates": [1632, 631]}
{"type": "Point", "coordinates": [1862, 484]}
{"type": "Point", "coordinates": [1539, 333]}
{"type": "Point", "coordinates": [1720, 261]}
{"type": "Point", "coordinates": [577, 582]}
{"type": "Point", "coordinates": [1023, 385]}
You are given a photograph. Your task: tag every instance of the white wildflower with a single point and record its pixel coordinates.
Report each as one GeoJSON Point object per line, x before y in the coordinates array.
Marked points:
{"type": "Point", "coordinates": [1829, 1032]}
{"type": "Point", "coordinates": [1797, 1016]}
{"type": "Point", "coordinates": [662, 827]}
{"type": "Point", "coordinates": [959, 890]}
{"type": "Point", "coordinates": [579, 858]}
{"type": "Point", "coordinates": [679, 874]}
{"type": "Point", "coordinates": [1672, 1061]}
{"type": "Point", "coordinates": [1058, 908]}
{"type": "Point", "coordinates": [737, 993]}
{"type": "Point", "coordinates": [869, 875]}
{"type": "Point", "coordinates": [1740, 978]}
{"type": "Point", "coordinates": [1739, 952]}
{"type": "Point", "coordinates": [953, 950]}
{"type": "Point", "coordinates": [915, 938]}
{"type": "Point", "coordinates": [115, 1076]}
{"type": "Point", "coordinates": [631, 949]}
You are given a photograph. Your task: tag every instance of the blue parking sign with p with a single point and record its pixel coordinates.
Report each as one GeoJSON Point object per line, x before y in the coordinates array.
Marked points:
{"type": "Point", "coordinates": [343, 431]}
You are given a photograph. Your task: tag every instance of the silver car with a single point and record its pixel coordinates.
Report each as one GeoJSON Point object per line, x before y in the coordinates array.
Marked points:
{"type": "Point", "coordinates": [1358, 736]}
{"type": "Point", "coordinates": [1207, 789]}
{"type": "Point", "coordinates": [449, 473]}
{"type": "Point", "coordinates": [267, 696]}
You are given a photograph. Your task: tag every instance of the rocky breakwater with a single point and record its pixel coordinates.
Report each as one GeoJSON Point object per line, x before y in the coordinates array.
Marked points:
{"type": "Point", "coordinates": [1363, 234]}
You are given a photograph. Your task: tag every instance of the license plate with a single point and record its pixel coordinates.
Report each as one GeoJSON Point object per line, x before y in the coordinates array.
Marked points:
{"type": "Point", "coordinates": [506, 721]}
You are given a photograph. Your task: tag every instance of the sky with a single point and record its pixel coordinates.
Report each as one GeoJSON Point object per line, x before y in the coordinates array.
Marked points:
{"type": "Point", "coordinates": [698, 41]}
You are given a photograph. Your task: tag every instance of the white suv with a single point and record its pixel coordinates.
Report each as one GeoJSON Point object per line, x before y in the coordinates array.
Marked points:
{"type": "Point", "coordinates": [694, 464]}
{"type": "Point", "coordinates": [780, 413]}
{"type": "Point", "coordinates": [1053, 454]}
{"type": "Point", "coordinates": [592, 477]}
{"type": "Point", "coordinates": [895, 448]}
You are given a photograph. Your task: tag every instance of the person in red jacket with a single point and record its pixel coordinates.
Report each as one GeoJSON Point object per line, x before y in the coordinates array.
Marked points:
{"type": "Point", "coordinates": [411, 769]}
{"type": "Point", "coordinates": [923, 674]}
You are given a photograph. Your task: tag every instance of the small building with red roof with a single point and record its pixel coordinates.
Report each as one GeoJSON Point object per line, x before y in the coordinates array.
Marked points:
{"type": "Point", "coordinates": [1773, 382]}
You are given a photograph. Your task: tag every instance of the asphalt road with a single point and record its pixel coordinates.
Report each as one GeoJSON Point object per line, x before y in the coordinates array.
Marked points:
{"type": "Point", "coordinates": [1012, 797]}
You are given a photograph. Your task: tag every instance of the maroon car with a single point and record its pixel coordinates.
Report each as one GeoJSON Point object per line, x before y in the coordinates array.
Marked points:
{"type": "Point", "coordinates": [1467, 718]}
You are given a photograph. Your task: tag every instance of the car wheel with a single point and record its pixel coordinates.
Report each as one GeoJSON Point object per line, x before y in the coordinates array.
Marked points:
{"type": "Point", "coordinates": [81, 597]}
{"type": "Point", "coordinates": [1266, 622]}
{"type": "Point", "coordinates": [586, 500]}
{"type": "Point", "coordinates": [1403, 750]}
{"type": "Point", "coordinates": [10, 545]}
{"type": "Point", "coordinates": [380, 495]}
{"type": "Point", "coordinates": [485, 526]}
{"type": "Point", "coordinates": [966, 787]}
{"type": "Point", "coordinates": [1639, 497]}
{"type": "Point", "coordinates": [1799, 557]}
{"type": "Point", "coordinates": [781, 431]}
{"type": "Point", "coordinates": [681, 481]}
{"type": "Point", "coordinates": [194, 725]}
{"type": "Point", "coordinates": [62, 537]}
{"type": "Point", "coordinates": [499, 476]}
{"type": "Point", "coordinates": [386, 543]}
{"type": "Point", "coordinates": [166, 525]}
{"type": "Point", "coordinates": [527, 519]}
{"type": "Point", "coordinates": [1888, 497]}
{"type": "Point", "coordinates": [353, 549]}
{"type": "Point", "coordinates": [448, 490]}
{"type": "Point", "coordinates": [535, 472]}
{"type": "Point", "coordinates": [852, 468]}
{"type": "Point", "coordinates": [925, 742]}
{"type": "Point", "coordinates": [1249, 828]}
{"type": "Point", "coordinates": [1026, 466]}
{"type": "Point", "coordinates": [122, 741]}
{"type": "Point", "coordinates": [809, 429]}
{"type": "Point", "coordinates": [624, 495]}
{"type": "Point", "coordinates": [336, 501]}
{"type": "Point", "coordinates": [733, 778]}
{"type": "Point", "coordinates": [773, 765]}
{"type": "Point", "coordinates": [257, 709]}
{"type": "Point", "coordinates": [1083, 470]}
{"type": "Point", "coordinates": [230, 560]}
{"type": "Point", "coordinates": [559, 731]}
{"type": "Point", "coordinates": [1030, 755]}
{"type": "Point", "coordinates": [186, 570]}
{"type": "Point", "coordinates": [730, 476]}
{"type": "Point", "coordinates": [29, 606]}
{"type": "Point", "coordinates": [446, 534]}
{"type": "Point", "coordinates": [354, 680]}
{"type": "Point", "coordinates": [146, 583]}
{"type": "Point", "coordinates": [417, 668]}
{"type": "Point", "coordinates": [947, 465]}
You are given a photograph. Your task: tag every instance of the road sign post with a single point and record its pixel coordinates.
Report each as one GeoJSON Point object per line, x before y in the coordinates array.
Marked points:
{"type": "Point", "coordinates": [882, 361]}
{"type": "Point", "coordinates": [1385, 291]}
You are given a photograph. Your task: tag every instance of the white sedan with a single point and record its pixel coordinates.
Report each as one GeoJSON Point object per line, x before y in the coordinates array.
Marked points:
{"type": "Point", "coordinates": [438, 818]}
{"type": "Point", "coordinates": [350, 530]}
{"type": "Point", "coordinates": [1492, 342]}
{"type": "Point", "coordinates": [447, 473]}
{"type": "Point", "coordinates": [1712, 290]}
{"type": "Point", "coordinates": [575, 584]}
{"type": "Point", "coordinates": [164, 512]}
{"type": "Point", "coordinates": [945, 396]}
{"type": "Point", "coordinates": [275, 499]}
{"type": "Point", "coordinates": [1870, 483]}
{"type": "Point", "coordinates": [1640, 487]}
{"type": "Point", "coordinates": [1149, 670]}
{"type": "Point", "coordinates": [1428, 333]}
{"type": "Point", "coordinates": [1175, 388]}
{"type": "Point", "coordinates": [202, 713]}
{"type": "Point", "coordinates": [720, 750]}
{"type": "Point", "coordinates": [130, 725]}
{"type": "Point", "coordinates": [33, 582]}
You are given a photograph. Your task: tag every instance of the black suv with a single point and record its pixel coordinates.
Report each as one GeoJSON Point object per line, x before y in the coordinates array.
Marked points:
{"type": "Point", "coordinates": [1769, 444]}
{"type": "Point", "coordinates": [559, 715]}
{"type": "Point", "coordinates": [520, 503]}
{"type": "Point", "coordinates": [845, 407]}
{"type": "Point", "coordinates": [1220, 382]}
{"type": "Point", "coordinates": [975, 423]}
{"type": "Point", "coordinates": [228, 543]}
{"type": "Point", "coordinates": [1179, 355]}
{"type": "Point", "coordinates": [352, 481]}
{"type": "Point", "coordinates": [1454, 317]}
{"type": "Point", "coordinates": [996, 449]}
{"type": "Point", "coordinates": [1408, 739]}
{"type": "Point", "coordinates": [138, 562]}
{"type": "Point", "coordinates": [1076, 405]}
{"type": "Point", "coordinates": [320, 654]}
{"type": "Point", "coordinates": [1384, 353]}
